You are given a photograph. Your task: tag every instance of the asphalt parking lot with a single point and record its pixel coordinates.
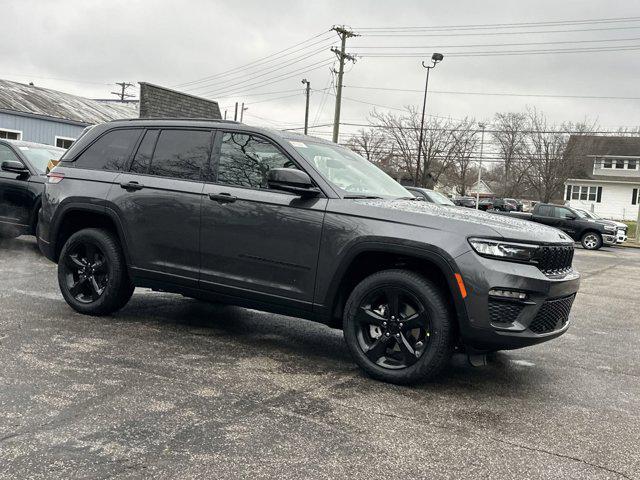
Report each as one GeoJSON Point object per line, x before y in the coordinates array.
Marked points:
{"type": "Point", "coordinates": [176, 388]}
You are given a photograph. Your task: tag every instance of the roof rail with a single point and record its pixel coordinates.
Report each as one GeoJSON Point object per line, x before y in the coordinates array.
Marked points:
{"type": "Point", "coordinates": [220, 120]}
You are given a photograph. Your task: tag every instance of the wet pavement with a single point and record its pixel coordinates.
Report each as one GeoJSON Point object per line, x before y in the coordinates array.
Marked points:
{"type": "Point", "coordinates": [176, 388]}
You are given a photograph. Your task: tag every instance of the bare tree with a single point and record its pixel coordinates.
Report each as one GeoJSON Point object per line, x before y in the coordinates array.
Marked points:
{"type": "Point", "coordinates": [440, 144]}
{"type": "Point", "coordinates": [509, 136]}
{"type": "Point", "coordinates": [547, 157]}
{"type": "Point", "coordinates": [464, 147]}
{"type": "Point", "coordinates": [371, 143]}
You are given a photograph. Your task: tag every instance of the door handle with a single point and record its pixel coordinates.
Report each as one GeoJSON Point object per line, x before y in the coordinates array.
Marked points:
{"type": "Point", "coordinates": [131, 185]}
{"type": "Point", "coordinates": [223, 197]}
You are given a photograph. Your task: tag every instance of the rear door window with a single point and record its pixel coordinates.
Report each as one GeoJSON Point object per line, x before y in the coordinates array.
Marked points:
{"type": "Point", "coordinates": [109, 152]}
{"type": "Point", "coordinates": [181, 154]}
{"type": "Point", "coordinates": [545, 211]}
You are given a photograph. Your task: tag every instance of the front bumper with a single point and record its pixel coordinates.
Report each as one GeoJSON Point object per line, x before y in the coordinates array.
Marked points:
{"type": "Point", "coordinates": [517, 323]}
{"type": "Point", "coordinates": [622, 236]}
{"type": "Point", "coordinates": [609, 239]}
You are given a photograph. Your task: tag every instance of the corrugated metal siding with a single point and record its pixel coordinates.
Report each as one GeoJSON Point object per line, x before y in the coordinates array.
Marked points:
{"type": "Point", "coordinates": [37, 130]}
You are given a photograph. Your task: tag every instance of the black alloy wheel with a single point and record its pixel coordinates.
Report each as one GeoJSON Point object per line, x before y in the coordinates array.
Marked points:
{"type": "Point", "coordinates": [92, 272]}
{"type": "Point", "coordinates": [398, 327]}
{"type": "Point", "coordinates": [86, 272]}
{"type": "Point", "coordinates": [393, 327]}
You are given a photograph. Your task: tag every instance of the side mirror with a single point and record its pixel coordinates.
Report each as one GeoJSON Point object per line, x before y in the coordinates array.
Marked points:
{"type": "Point", "coordinates": [293, 181]}
{"type": "Point", "coordinates": [14, 166]}
{"type": "Point", "coordinates": [570, 217]}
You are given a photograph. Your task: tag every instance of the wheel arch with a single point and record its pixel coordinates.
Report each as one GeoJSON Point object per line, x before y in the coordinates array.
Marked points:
{"type": "Point", "coordinates": [75, 217]}
{"type": "Point", "coordinates": [367, 258]}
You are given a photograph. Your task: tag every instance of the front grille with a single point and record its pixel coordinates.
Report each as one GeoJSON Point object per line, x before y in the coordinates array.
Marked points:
{"type": "Point", "coordinates": [553, 315]}
{"type": "Point", "coordinates": [504, 312]}
{"type": "Point", "coordinates": [555, 260]}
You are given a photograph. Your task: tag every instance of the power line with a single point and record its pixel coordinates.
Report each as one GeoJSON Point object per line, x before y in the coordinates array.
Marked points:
{"type": "Point", "coordinates": [505, 52]}
{"type": "Point", "coordinates": [254, 62]}
{"type": "Point", "coordinates": [225, 84]}
{"type": "Point", "coordinates": [496, 33]}
{"type": "Point", "coordinates": [510, 25]}
{"type": "Point", "coordinates": [276, 79]}
{"type": "Point", "coordinates": [521, 44]}
{"type": "Point", "coordinates": [506, 94]}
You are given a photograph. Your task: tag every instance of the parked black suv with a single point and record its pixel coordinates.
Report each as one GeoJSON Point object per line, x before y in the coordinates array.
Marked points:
{"type": "Point", "coordinates": [296, 225]}
{"type": "Point", "coordinates": [22, 169]}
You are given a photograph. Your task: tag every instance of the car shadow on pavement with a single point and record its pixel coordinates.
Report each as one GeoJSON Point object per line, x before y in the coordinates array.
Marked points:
{"type": "Point", "coordinates": [308, 347]}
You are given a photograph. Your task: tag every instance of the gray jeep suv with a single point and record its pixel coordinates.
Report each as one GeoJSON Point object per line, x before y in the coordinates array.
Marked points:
{"type": "Point", "coordinates": [292, 224]}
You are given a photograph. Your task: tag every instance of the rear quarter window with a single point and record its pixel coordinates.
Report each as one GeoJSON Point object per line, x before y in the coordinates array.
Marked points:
{"type": "Point", "coordinates": [110, 152]}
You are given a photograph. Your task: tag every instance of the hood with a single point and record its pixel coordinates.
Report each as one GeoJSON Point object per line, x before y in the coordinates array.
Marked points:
{"type": "Point", "coordinates": [465, 221]}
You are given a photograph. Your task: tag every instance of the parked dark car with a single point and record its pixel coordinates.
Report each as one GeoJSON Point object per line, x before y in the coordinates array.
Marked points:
{"type": "Point", "coordinates": [431, 196]}
{"type": "Point", "coordinates": [293, 224]}
{"type": "Point", "coordinates": [519, 206]}
{"type": "Point", "coordinates": [469, 202]}
{"type": "Point", "coordinates": [592, 234]}
{"type": "Point", "coordinates": [22, 178]}
{"type": "Point", "coordinates": [485, 204]}
{"type": "Point", "coordinates": [503, 205]}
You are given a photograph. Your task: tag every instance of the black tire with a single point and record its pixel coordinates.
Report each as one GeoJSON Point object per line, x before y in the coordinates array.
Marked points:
{"type": "Point", "coordinates": [92, 273]}
{"type": "Point", "coordinates": [591, 241]}
{"type": "Point", "coordinates": [431, 345]}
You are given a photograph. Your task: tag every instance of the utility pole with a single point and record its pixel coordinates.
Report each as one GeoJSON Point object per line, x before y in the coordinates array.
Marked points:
{"type": "Point", "coordinates": [123, 88]}
{"type": "Point", "coordinates": [435, 58]}
{"type": "Point", "coordinates": [242, 110]}
{"type": "Point", "coordinates": [343, 33]}
{"type": "Point", "coordinates": [306, 108]}
{"type": "Point", "coordinates": [235, 115]}
{"type": "Point", "coordinates": [225, 113]}
{"type": "Point", "coordinates": [482, 126]}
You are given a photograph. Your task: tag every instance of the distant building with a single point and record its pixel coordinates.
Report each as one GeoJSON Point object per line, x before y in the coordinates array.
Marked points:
{"type": "Point", "coordinates": [37, 114]}
{"type": "Point", "coordinates": [609, 179]}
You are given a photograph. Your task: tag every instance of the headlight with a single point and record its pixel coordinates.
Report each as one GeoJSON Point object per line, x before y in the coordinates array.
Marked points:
{"type": "Point", "coordinates": [610, 228]}
{"type": "Point", "coordinates": [516, 252]}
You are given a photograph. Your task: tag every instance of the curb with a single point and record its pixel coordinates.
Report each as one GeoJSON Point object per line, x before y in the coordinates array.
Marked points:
{"type": "Point", "coordinates": [628, 244]}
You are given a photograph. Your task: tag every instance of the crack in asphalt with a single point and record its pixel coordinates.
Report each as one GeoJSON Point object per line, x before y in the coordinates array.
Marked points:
{"type": "Point", "coordinates": [458, 431]}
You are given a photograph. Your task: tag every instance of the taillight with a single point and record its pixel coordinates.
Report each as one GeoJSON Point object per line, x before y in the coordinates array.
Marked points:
{"type": "Point", "coordinates": [55, 177]}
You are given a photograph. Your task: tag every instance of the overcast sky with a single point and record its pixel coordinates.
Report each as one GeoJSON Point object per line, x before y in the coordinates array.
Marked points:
{"type": "Point", "coordinates": [83, 46]}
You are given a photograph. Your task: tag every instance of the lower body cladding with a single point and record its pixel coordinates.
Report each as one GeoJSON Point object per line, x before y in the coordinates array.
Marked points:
{"type": "Point", "coordinates": [512, 305]}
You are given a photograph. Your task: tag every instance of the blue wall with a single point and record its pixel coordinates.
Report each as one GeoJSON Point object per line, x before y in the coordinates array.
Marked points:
{"type": "Point", "coordinates": [37, 130]}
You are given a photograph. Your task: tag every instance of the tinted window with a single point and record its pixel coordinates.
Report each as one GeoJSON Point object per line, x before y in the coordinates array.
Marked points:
{"type": "Point", "coordinates": [181, 153]}
{"type": "Point", "coordinates": [563, 213]}
{"type": "Point", "coordinates": [109, 152]}
{"type": "Point", "coordinates": [545, 211]}
{"type": "Point", "coordinates": [142, 160]}
{"type": "Point", "coordinates": [246, 159]}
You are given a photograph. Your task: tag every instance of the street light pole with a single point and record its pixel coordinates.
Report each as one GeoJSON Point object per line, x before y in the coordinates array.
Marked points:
{"type": "Point", "coordinates": [435, 58]}
{"type": "Point", "coordinates": [482, 126]}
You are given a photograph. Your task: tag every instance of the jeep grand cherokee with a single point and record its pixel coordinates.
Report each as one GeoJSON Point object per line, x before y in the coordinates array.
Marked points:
{"type": "Point", "coordinates": [296, 225]}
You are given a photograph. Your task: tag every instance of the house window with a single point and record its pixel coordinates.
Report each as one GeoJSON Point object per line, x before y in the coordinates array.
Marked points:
{"type": "Point", "coordinates": [635, 196]}
{"type": "Point", "coordinates": [607, 163]}
{"type": "Point", "coordinates": [11, 134]}
{"type": "Point", "coordinates": [64, 142]}
{"type": "Point", "coordinates": [584, 192]}
{"type": "Point", "coordinates": [632, 164]}
{"type": "Point", "coordinates": [619, 163]}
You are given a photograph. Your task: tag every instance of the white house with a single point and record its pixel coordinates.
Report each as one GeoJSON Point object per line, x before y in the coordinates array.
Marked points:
{"type": "Point", "coordinates": [609, 182]}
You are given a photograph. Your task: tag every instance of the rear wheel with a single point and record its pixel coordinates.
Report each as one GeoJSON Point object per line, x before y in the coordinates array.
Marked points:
{"type": "Point", "coordinates": [92, 273]}
{"type": "Point", "coordinates": [398, 327]}
{"type": "Point", "coordinates": [591, 241]}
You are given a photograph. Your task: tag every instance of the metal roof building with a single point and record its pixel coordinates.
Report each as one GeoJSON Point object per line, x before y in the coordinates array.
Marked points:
{"type": "Point", "coordinates": [37, 114]}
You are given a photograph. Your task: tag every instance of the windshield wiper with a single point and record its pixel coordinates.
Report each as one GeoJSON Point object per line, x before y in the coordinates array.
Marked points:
{"type": "Point", "coordinates": [410, 198]}
{"type": "Point", "coordinates": [360, 197]}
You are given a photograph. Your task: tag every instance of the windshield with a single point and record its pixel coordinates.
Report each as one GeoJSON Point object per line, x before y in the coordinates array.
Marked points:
{"type": "Point", "coordinates": [440, 199]}
{"type": "Point", "coordinates": [585, 214]}
{"type": "Point", "coordinates": [40, 156]}
{"type": "Point", "coordinates": [350, 173]}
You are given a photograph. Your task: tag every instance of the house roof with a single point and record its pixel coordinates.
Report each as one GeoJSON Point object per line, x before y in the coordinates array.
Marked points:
{"type": "Point", "coordinates": [586, 147]}
{"type": "Point", "coordinates": [52, 104]}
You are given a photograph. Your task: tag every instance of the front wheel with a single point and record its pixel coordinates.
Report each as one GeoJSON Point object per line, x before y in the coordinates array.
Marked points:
{"type": "Point", "coordinates": [591, 241]}
{"type": "Point", "coordinates": [398, 327]}
{"type": "Point", "coordinates": [92, 273]}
